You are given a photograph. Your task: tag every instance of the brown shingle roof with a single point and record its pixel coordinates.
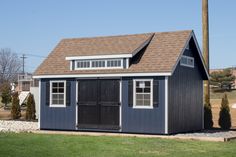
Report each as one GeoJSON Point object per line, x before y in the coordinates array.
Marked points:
{"type": "Point", "coordinates": [160, 55]}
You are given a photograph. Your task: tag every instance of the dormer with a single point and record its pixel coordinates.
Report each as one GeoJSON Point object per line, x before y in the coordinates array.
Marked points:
{"type": "Point", "coordinates": [98, 62]}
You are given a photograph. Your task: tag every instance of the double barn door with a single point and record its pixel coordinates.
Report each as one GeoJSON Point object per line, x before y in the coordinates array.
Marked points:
{"type": "Point", "coordinates": [98, 104]}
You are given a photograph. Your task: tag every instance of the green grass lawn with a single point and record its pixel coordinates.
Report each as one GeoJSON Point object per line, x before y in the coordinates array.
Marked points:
{"type": "Point", "coordinates": [36, 145]}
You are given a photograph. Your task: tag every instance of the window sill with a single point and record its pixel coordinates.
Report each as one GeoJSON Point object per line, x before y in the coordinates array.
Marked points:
{"type": "Point", "coordinates": [143, 107]}
{"type": "Point", "coordinates": [60, 106]}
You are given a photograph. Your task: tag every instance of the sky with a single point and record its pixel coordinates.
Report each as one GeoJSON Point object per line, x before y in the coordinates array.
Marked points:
{"type": "Point", "coordinates": [35, 27]}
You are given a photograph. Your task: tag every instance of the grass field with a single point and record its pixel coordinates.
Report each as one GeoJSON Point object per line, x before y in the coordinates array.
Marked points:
{"type": "Point", "coordinates": [27, 145]}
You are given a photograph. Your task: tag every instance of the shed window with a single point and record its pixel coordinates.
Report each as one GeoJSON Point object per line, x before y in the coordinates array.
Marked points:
{"type": "Point", "coordinates": [99, 64]}
{"type": "Point", "coordinates": [143, 93]}
{"type": "Point", "coordinates": [187, 61]}
{"type": "Point", "coordinates": [57, 93]}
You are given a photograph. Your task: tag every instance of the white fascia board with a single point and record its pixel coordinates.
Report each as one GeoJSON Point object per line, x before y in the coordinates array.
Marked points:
{"type": "Point", "coordinates": [99, 57]}
{"type": "Point", "coordinates": [102, 75]}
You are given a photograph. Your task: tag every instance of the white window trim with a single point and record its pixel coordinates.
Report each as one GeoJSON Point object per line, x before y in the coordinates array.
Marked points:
{"type": "Point", "coordinates": [187, 65]}
{"type": "Point", "coordinates": [56, 105]}
{"type": "Point", "coordinates": [97, 68]}
{"type": "Point", "coordinates": [151, 94]}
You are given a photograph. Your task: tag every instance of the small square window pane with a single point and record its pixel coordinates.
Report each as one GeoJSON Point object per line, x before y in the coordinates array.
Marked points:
{"type": "Point", "coordinates": [139, 90]}
{"type": "Point", "coordinates": [61, 84]}
{"type": "Point", "coordinates": [54, 96]}
{"type": "Point", "coordinates": [54, 90]}
{"type": "Point", "coordinates": [61, 90]}
{"type": "Point", "coordinates": [54, 84]}
{"type": "Point", "coordinates": [139, 102]}
{"type": "Point", "coordinates": [60, 96]}
{"type": "Point", "coordinates": [147, 90]}
{"type": "Point", "coordinates": [139, 96]}
{"type": "Point", "coordinates": [147, 83]}
{"type": "Point", "coordinates": [146, 103]}
{"type": "Point", "coordinates": [137, 83]}
{"type": "Point", "coordinates": [54, 102]}
{"type": "Point", "coordinates": [61, 102]}
{"type": "Point", "coordinates": [146, 96]}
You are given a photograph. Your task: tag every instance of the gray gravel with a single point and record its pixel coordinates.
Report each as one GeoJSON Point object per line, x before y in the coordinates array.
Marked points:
{"type": "Point", "coordinates": [17, 126]}
{"type": "Point", "coordinates": [211, 133]}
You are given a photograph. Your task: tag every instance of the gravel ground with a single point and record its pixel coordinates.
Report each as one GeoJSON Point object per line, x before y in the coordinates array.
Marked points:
{"type": "Point", "coordinates": [24, 126]}
{"type": "Point", "coordinates": [17, 126]}
{"type": "Point", "coordinates": [211, 133]}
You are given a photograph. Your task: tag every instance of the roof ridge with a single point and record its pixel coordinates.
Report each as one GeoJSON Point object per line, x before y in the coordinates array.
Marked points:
{"type": "Point", "coordinates": [123, 35]}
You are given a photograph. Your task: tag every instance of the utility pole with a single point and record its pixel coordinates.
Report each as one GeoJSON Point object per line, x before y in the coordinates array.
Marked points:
{"type": "Point", "coordinates": [23, 66]}
{"type": "Point", "coordinates": [205, 32]}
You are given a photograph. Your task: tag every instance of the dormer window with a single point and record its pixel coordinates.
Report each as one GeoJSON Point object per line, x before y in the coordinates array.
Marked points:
{"type": "Point", "coordinates": [99, 64]}
{"type": "Point", "coordinates": [187, 61]}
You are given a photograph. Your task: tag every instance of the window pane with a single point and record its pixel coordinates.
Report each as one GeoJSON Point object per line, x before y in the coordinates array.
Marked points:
{"type": "Point", "coordinates": [139, 102]}
{"type": "Point", "coordinates": [139, 96]}
{"type": "Point", "coordinates": [54, 102]}
{"type": "Point", "coordinates": [139, 90]}
{"type": "Point", "coordinates": [146, 90]}
{"type": "Point", "coordinates": [119, 63]}
{"type": "Point", "coordinates": [147, 83]}
{"type": "Point", "coordinates": [61, 84]}
{"type": "Point", "coordinates": [61, 102]}
{"type": "Point", "coordinates": [60, 96]}
{"type": "Point", "coordinates": [54, 84]}
{"type": "Point", "coordinates": [61, 90]}
{"type": "Point", "coordinates": [146, 103]}
{"type": "Point", "coordinates": [54, 90]}
{"type": "Point", "coordinates": [146, 96]}
{"type": "Point", "coordinates": [54, 96]}
{"type": "Point", "coordinates": [108, 63]}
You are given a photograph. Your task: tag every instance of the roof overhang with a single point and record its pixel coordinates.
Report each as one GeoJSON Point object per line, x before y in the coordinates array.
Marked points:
{"type": "Point", "coordinates": [102, 75]}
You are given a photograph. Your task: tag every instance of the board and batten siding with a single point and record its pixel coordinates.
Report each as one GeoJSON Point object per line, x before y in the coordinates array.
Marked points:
{"type": "Point", "coordinates": [143, 120]}
{"type": "Point", "coordinates": [185, 97]}
{"type": "Point", "coordinates": [58, 118]}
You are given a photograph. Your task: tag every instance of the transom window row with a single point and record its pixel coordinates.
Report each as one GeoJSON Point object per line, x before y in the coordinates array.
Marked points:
{"type": "Point", "coordinates": [112, 63]}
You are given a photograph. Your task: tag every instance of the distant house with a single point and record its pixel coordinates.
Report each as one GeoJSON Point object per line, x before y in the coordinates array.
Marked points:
{"type": "Point", "coordinates": [142, 83]}
{"type": "Point", "coordinates": [25, 85]}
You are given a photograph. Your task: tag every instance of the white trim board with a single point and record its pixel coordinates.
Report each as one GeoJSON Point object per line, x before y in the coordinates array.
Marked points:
{"type": "Point", "coordinates": [100, 57]}
{"type": "Point", "coordinates": [39, 105]}
{"type": "Point", "coordinates": [166, 105]}
{"type": "Point", "coordinates": [102, 75]}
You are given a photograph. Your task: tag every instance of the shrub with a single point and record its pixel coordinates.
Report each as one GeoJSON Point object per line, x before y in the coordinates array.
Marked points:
{"type": "Point", "coordinates": [15, 109]}
{"type": "Point", "coordinates": [30, 110]}
{"type": "Point", "coordinates": [208, 122]}
{"type": "Point", "coordinates": [225, 118]}
{"type": "Point", "coordinates": [6, 93]}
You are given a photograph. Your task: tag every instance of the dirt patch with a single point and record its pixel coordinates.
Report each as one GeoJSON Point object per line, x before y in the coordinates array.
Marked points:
{"type": "Point", "coordinates": [6, 114]}
{"type": "Point", "coordinates": [216, 103]}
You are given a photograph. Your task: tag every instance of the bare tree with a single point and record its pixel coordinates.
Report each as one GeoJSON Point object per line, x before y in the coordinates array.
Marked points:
{"type": "Point", "coordinates": [9, 65]}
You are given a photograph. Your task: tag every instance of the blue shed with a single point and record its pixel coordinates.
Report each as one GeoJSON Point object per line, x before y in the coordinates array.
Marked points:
{"type": "Point", "coordinates": [142, 83]}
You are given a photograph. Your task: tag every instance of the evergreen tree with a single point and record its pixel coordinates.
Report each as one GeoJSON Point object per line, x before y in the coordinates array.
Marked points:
{"type": "Point", "coordinates": [222, 79]}
{"type": "Point", "coordinates": [30, 110]}
{"type": "Point", "coordinates": [6, 93]}
{"type": "Point", "coordinates": [208, 122]}
{"type": "Point", "coordinates": [225, 118]}
{"type": "Point", "coordinates": [15, 110]}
